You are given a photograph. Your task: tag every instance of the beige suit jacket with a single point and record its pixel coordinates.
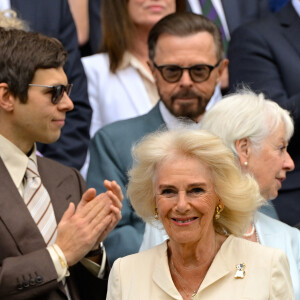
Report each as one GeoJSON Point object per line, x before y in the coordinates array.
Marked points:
{"type": "Point", "coordinates": [146, 275]}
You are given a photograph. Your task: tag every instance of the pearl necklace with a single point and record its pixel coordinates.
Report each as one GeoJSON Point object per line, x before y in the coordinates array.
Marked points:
{"type": "Point", "coordinates": [251, 233]}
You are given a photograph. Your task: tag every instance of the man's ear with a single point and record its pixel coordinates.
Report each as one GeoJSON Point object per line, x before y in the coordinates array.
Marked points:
{"type": "Point", "coordinates": [243, 148]}
{"type": "Point", "coordinates": [223, 65]}
{"type": "Point", "coordinates": [153, 70]}
{"type": "Point", "coordinates": [7, 100]}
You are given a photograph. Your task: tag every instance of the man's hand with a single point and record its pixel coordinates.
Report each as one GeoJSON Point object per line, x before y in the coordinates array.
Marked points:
{"type": "Point", "coordinates": [114, 192]}
{"type": "Point", "coordinates": [82, 229]}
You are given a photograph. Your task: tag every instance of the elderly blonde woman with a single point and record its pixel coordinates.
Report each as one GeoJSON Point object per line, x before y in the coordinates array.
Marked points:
{"type": "Point", "coordinates": [258, 132]}
{"type": "Point", "coordinates": [188, 181]}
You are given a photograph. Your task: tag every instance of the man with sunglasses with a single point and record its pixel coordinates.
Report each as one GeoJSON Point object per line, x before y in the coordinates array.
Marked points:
{"type": "Point", "coordinates": [51, 228]}
{"type": "Point", "coordinates": [53, 18]}
{"type": "Point", "coordinates": [187, 61]}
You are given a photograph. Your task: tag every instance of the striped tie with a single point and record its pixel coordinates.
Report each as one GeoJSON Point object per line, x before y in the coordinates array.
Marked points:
{"type": "Point", "coordinates": [39, 204]}
{"type": "Point", "coordinates": [209, 11]}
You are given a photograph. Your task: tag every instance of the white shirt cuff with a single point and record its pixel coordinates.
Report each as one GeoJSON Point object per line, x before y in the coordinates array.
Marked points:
{"type": "Point", "coordinates": [59, 261]}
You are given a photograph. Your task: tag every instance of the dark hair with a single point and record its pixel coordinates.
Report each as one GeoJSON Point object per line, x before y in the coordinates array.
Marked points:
{"type": "Point", "coordinates": [184, 24]}
{"type": "Point", "coordinates": [117, 29]}
{"type": "Point", "coordinates": [22, 53]}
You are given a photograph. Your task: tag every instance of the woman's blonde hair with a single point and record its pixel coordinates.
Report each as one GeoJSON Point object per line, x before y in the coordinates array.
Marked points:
{"type": "Point", "coordinates": [238, 192]}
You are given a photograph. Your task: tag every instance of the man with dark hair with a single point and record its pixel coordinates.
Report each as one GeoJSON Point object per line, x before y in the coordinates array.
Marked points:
{"type": "Point", "coordinates": [53, 18]}
{"type": "Point", "coordinates": [187, 60]}
{"type": "Point", "coordinates": [49, 249]}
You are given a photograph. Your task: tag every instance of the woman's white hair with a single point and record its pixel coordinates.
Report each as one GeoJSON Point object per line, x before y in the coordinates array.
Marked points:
{"type": "Point", "coordinates": [246, 115]}
{"type": "Point", "coordinates": [10, 20]}
{"type": "Point", "coordinates": [239, 193]}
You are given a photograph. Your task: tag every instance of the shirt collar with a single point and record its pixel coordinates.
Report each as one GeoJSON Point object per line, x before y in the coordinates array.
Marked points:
{"type": "Point", "coordinates": [130, 60]}
{"type": "Point", "coordinates": [15, 160]}
{"type": "Point", "coordinates": [173, 122]}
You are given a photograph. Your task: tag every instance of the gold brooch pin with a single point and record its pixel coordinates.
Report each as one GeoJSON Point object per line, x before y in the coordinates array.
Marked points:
{"type": "Point", "coordinates": [240, 271]}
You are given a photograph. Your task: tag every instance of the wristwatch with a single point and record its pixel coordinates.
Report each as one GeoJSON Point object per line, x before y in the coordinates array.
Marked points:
{"type": "Point", "coordinates": [96, 252]}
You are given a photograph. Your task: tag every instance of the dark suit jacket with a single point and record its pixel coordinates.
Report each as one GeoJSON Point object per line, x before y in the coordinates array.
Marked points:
{"type": "Point", "coordinates": [23, 255]}
{"type": "Point", "coordinates": [53, 18]}
{"type": "Point", "coordinates": [238, 12]}
{"type": "Point", "coordinates": [265, 55]}
{"type": "Point", "coordinates": [110, 159]}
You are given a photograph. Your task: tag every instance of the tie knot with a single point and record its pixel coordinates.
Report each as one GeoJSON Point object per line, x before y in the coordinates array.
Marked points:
{"type": "Point", "coordinates": [32, 171]}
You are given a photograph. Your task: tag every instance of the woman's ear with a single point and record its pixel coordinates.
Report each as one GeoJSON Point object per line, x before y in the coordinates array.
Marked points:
{"type": "Point", "coordinates": [6, 98]}
{"type": "Point", "coordinates": [243, 148]}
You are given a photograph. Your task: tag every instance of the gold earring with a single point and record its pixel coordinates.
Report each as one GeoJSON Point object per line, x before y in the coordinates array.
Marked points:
{"type": "Point", "coordinates": [156, 214]}
{"type": "Point", "coordinates": [219, 209]}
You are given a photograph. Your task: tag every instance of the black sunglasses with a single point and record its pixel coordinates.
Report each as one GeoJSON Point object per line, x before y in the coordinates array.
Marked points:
{"type": "Point", "coordinates": [57, 91]}
{"type": "Point", "coordinates": [173, 73]}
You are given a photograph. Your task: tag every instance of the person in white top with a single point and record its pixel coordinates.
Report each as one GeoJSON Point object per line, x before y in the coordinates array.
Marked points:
{"type": "Point", "coordinates": [258, 132]}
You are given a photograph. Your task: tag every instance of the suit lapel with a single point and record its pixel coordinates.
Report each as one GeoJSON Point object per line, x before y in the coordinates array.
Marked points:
{"type": "Point", "coordinates": [218, 269]}
{"type": "Point", "coordinates": [16, 216]}
{"type": "Point", "coordinates": [290, 25]}
{"type": "Point", "coordinates": [58, 185]}
{"type": "Point", "coordinates": [161, 273]}
{"type": "Point", "coordinates": [154, 119]}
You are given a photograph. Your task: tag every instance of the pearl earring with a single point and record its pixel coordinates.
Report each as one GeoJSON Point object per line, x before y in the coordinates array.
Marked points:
{"type": "Point", "coordinates": [245, 163]}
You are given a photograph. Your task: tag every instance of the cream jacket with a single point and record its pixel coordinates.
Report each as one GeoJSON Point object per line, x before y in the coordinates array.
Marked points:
{"type": "Point", "coordinates": [146, 275]}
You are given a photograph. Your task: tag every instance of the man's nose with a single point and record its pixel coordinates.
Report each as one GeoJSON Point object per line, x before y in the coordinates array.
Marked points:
{"type": "Point", "coordinates": [66, 103]}
{"type": "Point", "coordinates": [186, 79]}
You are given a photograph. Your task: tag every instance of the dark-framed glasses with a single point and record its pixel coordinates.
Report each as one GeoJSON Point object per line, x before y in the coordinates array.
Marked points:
{"type": "Point", "coordinates": [173, 73]}
{"type": "Point", "coordinates": [56, 90]}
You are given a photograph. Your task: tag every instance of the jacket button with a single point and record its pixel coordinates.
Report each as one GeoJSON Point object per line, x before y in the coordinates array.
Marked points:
{"type": "Point", "coordinates": [31, 281]}
{"type": "Point", "coordinates": [39, 279]}
{"type": "Point", "coordinates": [25, 284]}
{"type": "Point", "coordinates": [19, 285]}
